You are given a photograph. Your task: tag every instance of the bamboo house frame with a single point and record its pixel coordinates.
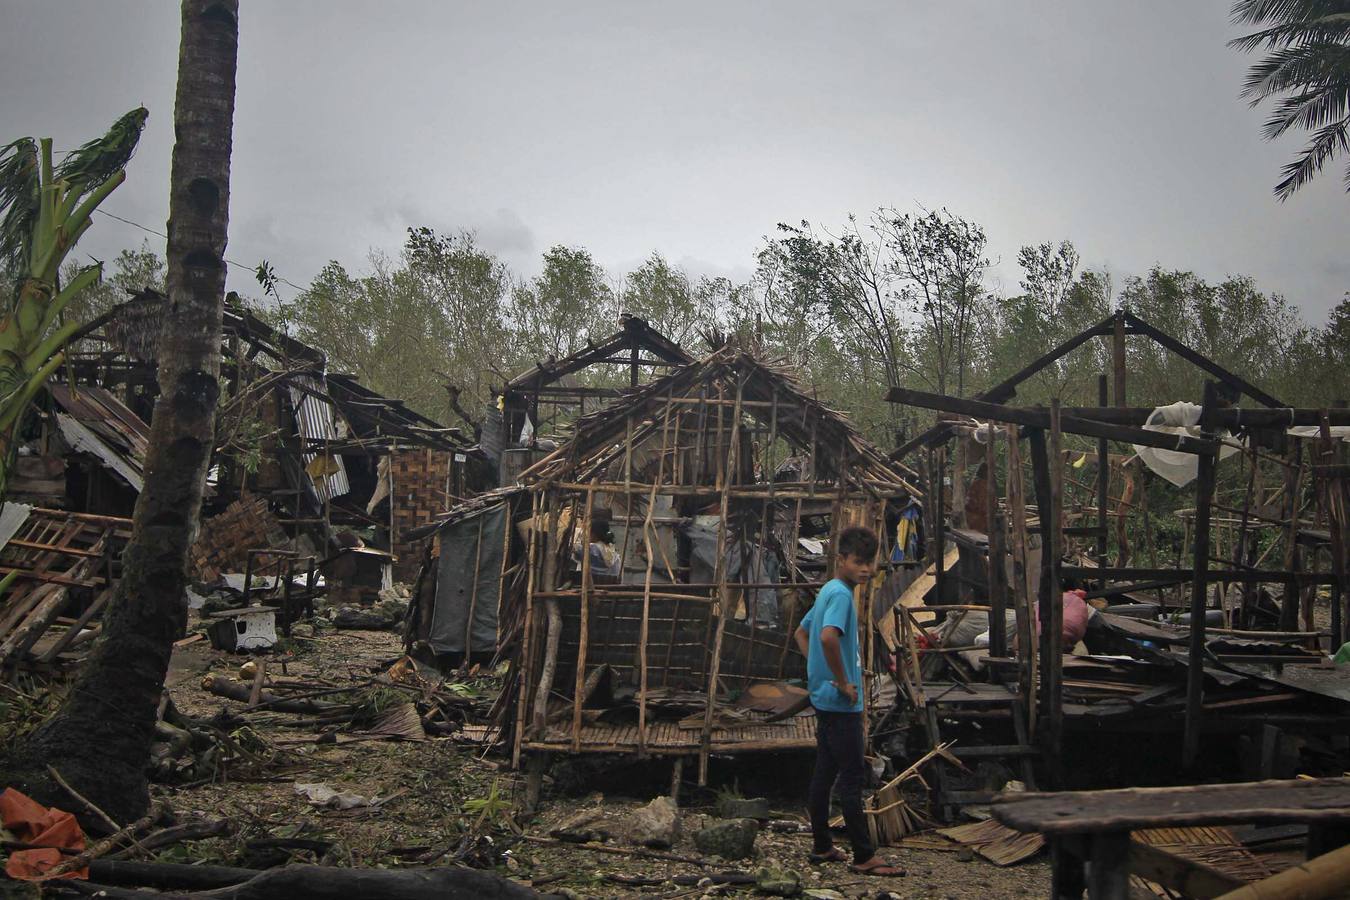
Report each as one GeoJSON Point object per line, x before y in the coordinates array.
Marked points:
{"type": "Point", "coordinates": [702, 443]}
{"type": "Point", "coordinates": [1231, 679]}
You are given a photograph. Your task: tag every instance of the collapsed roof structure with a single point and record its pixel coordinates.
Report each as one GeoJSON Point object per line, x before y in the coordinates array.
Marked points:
{"type": "Point", "coordinates": [1199, 648]}
{"type": "Point", "coordinates": [303, 454]}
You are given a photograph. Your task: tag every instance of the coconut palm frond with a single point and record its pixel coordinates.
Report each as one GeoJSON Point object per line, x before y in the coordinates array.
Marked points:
{"type": "Point", "coordinates": [1254, 12]}
{"type": "Point", "coordinates": [19, 195]}
{"type": "Point", "coordinates": [1328, 29]}
{"type": "Point", "coordinates": [1300, 68]}
{"type": "Point", "coordinates": [98, 160]}
{"type": "Point", "coordinates": [1308, 111]}
{"type": "Point", "coordinates": [1307, 66]}
{"type": "Point", "coordinates": [1326, 143]}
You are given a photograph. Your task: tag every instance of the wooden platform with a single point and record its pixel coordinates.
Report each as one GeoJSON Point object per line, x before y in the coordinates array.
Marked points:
{"type": "Point", "coordinates": [669, 739]}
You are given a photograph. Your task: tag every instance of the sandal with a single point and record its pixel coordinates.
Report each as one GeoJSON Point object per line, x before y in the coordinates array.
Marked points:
{"type": "Point", "coordinates": [834, 855]}
{"type": "Point", "coordinates": [877, 866]}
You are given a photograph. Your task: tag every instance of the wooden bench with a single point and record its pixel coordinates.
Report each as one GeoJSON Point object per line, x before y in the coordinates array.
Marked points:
{"type": "Point", "coordinates": [1093, 828]}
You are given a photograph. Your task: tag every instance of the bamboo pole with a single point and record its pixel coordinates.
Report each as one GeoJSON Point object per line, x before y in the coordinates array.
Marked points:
{"type": "Point", "coordinates": [652, 538]}
{"type": "Point", "coordinates": [1324, 876]}
{"type": "Point", "coordinates": [549, 574]}
{"type": "Point", "coordinates": [720, 607]}
{"type": "Point", "coordinates": [584, 639]}
{"type": "Point", "coordinates": [522, 701]}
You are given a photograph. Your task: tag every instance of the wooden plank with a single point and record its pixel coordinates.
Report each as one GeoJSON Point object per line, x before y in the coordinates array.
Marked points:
{"type": "Point", "coordinates": [1007, 388]}
{"type": "Point", "coordinates": [1082, 812]}
{"type": "Point", "coordinates": [1040, 418]}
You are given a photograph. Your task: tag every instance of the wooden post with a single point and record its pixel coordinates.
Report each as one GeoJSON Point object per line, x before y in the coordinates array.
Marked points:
{"type": "Point", "coordinates": [937, 466]}
{"type": "Point", "coordinates": [1334, 503]}
{"type": "Point", "coordinates": [1026, 635]}
{"type": "Point", "coordinates": [1293, 489]}
{"type": "Point", "coordinates": [959, 481]}
{"type": "Point", "coordinates": [522, 700]}
{"type": "Point", "coordinates": [1195, 675]}
{"type": "Point", "coordinates": [1051, 641]}
{"type": "Point", "coordinates": [1108, 870]}
{"type": "Point", "coordinates": [1103, 479]}
{"type": "Point", "coordinates": [998, 585]}
{"type": "Point", "coordinates": [1118, 356]}
{"type": "Point", "coordinates": [1244, 552]}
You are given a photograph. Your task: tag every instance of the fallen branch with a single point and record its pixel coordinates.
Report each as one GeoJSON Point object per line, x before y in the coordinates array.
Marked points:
{"type": "Point", "coordinates": [158, 875]}
{"type": "Point", "coordinates": [307, 882]}
{"type": "Point", "coordinates": [188, 831]}
{"type": "Point", "coordinates": [83, 800]}
{"type": "Point", "coordinates": [222, 686]}
{"type": "Point", "coordinates": [157, 811]}
{"type": "Point", "coordinates": [618, 851]}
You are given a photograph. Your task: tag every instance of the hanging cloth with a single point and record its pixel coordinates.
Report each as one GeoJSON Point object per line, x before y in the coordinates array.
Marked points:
{"type": "Point", "coordinates": [1182, 419]}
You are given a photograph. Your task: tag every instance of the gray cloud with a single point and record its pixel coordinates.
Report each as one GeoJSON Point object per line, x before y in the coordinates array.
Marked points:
{"type": "Point", "coordinates": [628, 128]}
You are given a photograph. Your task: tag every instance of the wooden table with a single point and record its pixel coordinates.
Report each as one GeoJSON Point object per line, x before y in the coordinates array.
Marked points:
{"type": "Point", "coordinates": [1093, 827]}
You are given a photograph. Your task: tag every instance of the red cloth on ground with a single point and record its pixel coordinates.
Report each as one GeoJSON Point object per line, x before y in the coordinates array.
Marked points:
{"type": "Point", "coordinates": [33, 823]}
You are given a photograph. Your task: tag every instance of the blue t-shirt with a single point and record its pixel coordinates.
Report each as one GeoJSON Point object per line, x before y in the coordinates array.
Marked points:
{"type": "Point", "coordinates": [834, 608]}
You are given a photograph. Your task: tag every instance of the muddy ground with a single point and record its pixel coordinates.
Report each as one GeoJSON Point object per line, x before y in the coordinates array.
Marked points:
{"type": "Point", "coordinates": [438, 789]}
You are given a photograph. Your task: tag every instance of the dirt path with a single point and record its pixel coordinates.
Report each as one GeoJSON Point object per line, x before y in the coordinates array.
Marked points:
{"type": "Point", "coordinates": [438, 788]}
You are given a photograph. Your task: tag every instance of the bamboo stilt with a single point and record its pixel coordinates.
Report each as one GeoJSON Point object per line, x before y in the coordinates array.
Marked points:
{"type": "Point", "coordinates": [584, 640]}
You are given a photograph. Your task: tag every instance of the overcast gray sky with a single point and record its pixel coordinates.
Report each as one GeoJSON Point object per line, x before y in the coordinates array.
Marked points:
{"type": "Point", "coordinates": [693, 127]}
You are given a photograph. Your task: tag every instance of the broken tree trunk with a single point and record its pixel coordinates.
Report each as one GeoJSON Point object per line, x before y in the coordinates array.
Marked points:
{"type": "Point", "coordinates": [103, 732]}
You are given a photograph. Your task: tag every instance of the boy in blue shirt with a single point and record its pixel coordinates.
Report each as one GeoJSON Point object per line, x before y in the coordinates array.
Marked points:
{"type": "Point", "coordinates": [828, 638]}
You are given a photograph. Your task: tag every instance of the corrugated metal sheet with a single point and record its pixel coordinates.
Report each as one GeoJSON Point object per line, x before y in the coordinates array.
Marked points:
{"type": "Point", "coordinates": [80, 437]}
{"type": "Point", "coordinates": [314, 421]}
{"type": "Point", "coordinates": [94, 421]}
{"type": "Point", "coordinates": [12, 517]}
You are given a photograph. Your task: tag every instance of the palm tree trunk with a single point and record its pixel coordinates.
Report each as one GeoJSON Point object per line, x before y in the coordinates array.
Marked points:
{"type": "Point", "coordinates": [100, 739]}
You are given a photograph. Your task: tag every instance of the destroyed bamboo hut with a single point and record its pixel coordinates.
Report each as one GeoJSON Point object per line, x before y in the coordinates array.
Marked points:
{"type": "Point", "coordinates": [1213, 647]}
{"type": "Point", "coordinates": [304, 454]}
{"type": "Point", "coordinates": [641, 650]}
{"type": "Point", "coordinates": [325, 452]}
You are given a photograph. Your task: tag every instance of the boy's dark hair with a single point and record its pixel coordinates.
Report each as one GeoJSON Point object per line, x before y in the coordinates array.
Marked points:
{"type": "Point", "coordinates": [858, 542]}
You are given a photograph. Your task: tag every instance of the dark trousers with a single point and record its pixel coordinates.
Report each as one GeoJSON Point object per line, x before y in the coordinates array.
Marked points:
{"type": "Point", "coordinates": [839, 756]}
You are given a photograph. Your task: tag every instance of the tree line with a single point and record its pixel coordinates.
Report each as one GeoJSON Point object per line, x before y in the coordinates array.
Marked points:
{"type": "Point", "coordinates": [896, 298]}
